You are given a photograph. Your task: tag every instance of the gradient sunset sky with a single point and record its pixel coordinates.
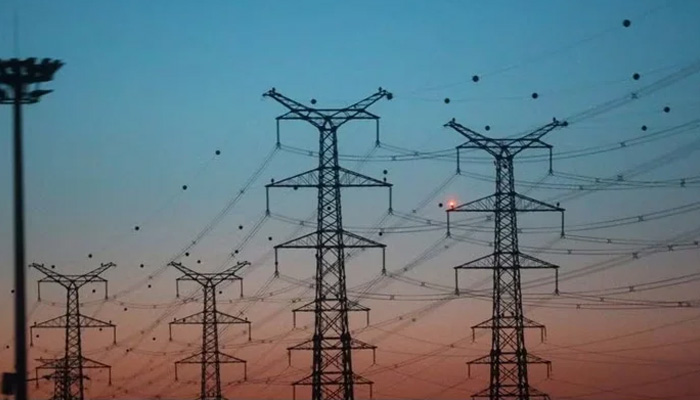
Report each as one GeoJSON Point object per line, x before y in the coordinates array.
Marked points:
{"type": "Point", "coordinates": [152, 90]}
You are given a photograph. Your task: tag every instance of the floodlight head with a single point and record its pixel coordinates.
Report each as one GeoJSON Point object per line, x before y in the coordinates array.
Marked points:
{"type": "Point", "coordinates": [36, 94]}
{"type": "Point", "coordinates": [14, 71]}
{"type": "Point", "coordinates": [18, 75]}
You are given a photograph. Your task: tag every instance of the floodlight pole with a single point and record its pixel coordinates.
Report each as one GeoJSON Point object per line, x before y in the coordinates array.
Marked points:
{"type": "Point", "coordinates": [15, 77]}
{"type": "Point", "coordinates": [20, 278]}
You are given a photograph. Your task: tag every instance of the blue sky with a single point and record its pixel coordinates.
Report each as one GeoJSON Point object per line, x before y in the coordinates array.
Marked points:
{"type": "Point", "coordinates": [151, 90]}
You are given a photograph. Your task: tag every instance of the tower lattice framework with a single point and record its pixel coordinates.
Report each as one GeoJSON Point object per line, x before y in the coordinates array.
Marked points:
{"type": "Point", "coordinates": [68, 372]}
{"type": "Point", "coordinates": [210, 357]}
{"type": "Point", "coordinates": [508, 358]}
{"type": "Point", "coordinates": [332, 376]}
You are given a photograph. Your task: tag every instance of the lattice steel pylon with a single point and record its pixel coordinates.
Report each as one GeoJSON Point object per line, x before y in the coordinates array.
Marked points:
{"type": "Point", "coordinates": [68, 372]}
{"type": "Point", "coordinates": [210, 357]}
{"type": "Point", "coordinates": [332, 376]}
{"type": "Point", "coordinates": [508, 357]}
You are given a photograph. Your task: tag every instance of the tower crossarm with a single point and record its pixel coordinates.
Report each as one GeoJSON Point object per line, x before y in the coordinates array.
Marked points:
{"type": "Point", "coordinates": [229, 359]}
{"type": "Point", "coordinates": [213, 279]}
{"type": "Point", "coordinates": [534, 138]}
{"type": "Point", "coordinates": [198, 319]}
{"type": "Point", "coordinates": [330, 343]}
{"type": "Point", "coordinates": [475, 140]}
{"type": "Point", "coordinates": [351, 306]}
{"type": "Point", "coordinates": [310, 179]}
{"type": "Point", "coordinates": [62, 322]}
{"type": "Point", "coordinates": [359, 109]}
{"type": "Point", "coordinates": [90, 322]}
{"type": "Point", "coordinates": [531, 359]}
{"type": "Point", "coordinates": [76, 281]}
{"type": "Point", "coordinates": [229, 274]}
{"type": "Point", "coordinates": [302, 180]}
{"type": "Point", "coordinates": [327, 117]}
{"type": "Point", "coordinates": [349, 241]}
{"type": "Point", "coordinates": [51, 276]}
{"type": "Point", "coordinates": [59, 365]}
{"type": "Point", "coordinates": [94, 275]}
{"type": "Point", "coordinates": [507, 147]}
{"type": "Point", "coordinates": [296, 110]}
{"type": "Point", "coordinates": [491, 324]}
{"type": "Point", "coordinates": [521, 203]}
{"type": "Point", "coordinates": [194, 319]}
{"type": "Point", "coordinates": [92, 364]}
{"type": "Point", "coordinates": [332, 382]}
{"type": "Point", "coordinates": [506, 392]}
{"type": "Point", "coordinates": [368, 101]}
{"type": "Point", "coordinates": [480, 360]}
{"type": "Point", "coordinates": [350, 178]}
{"type": "Point", "coordinates": [225, 319]}
{"type": "Point", "coordinates": [483, 360]}
{"type": "Point", "coordinates": [531, 262]}
{"type": "Point", "coordinates": [525, 261]}
{"type": "Point", "coordinates": [221, 358]}
{"type": "Point", "coordinates": [56, 322]}
{"type": "Point", "coordinates": [511, 146]}
{"type": "Point", "coordinates": [199, 358]}
{"type": "Point", "coordinates": [330, 379]}
{"type": "Point", "coordinates": [333, 344]}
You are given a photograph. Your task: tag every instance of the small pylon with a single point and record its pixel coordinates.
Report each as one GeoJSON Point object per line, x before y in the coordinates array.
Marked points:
{"type": "Point", "coordinates": [508, 358]}
{"type": "Point", "coordinates": [210, 357]}
{"type": "Point", "coordinates": [68, 372]}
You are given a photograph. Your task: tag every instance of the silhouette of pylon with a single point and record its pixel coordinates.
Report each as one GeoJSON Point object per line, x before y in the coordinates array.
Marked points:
{"type": "Point", "coordinates": [68, 372]}
{"type": "Point", "coordinates": [210, 357]}
{"type": "Point", "coordinates": [332, 376]}
{"type": "Point", "coordinates": [508, 358]}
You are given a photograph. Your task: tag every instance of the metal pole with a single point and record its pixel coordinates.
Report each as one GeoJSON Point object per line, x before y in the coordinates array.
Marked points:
{"type": "Point", "coordinates": [20, 292]}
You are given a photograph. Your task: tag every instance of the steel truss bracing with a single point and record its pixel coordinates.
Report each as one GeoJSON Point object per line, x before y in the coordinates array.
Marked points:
{"type": "Point", "coordinates": [210, 357]}
{"type": "Point", "coordinates": [332, 376]}
{"type": "Point", "coordinates": [69, 371]}
{"type": "Point", "coordinates": [508, 357]}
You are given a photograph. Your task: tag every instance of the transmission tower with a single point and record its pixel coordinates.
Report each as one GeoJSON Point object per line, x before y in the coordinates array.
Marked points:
{"type": "Point", "coordinates": [209, 357]}
{"type": "Point", "coordinates": [68, 372]}
{"type": "Point", "coordinates": [508, 358]}
{"type": "Point", "coordinates": [332, 376]}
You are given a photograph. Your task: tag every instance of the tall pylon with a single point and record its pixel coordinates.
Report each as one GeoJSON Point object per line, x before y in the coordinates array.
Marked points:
{"type": "Point", "coordinates": [68, 372]}
{"type": "Point", "coordinates": [209, 357]}
{"type": "Point", "coordinates": [332, 376]}
{"type": "Point", "coordinates": [508, 357]}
